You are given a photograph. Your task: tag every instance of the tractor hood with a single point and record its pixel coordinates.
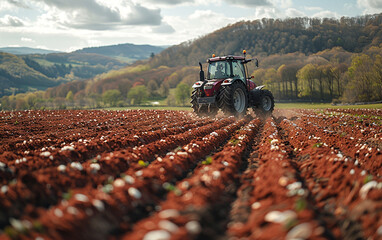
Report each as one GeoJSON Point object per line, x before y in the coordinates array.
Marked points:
{"type": "Point", "coordinates": [212, 87]}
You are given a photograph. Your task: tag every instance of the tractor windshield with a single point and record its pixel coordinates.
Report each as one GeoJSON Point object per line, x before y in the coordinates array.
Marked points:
{"type": "Point", "coordinates": [218, 70]}
{"type": "Point", "coordinates": [238, 70]}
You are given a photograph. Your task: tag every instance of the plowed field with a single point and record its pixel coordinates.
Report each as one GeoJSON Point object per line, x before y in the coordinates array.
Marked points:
{"type": "Point", "coordinates": [146, 174]}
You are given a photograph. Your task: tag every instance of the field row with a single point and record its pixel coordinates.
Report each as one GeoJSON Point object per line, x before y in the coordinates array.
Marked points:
{"type": "Point", "coordinates": [170, 175]}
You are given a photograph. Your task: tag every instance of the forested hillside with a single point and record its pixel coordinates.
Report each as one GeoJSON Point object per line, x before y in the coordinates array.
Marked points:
{"type": "Point", "coordinates": [275, 36]}
{"type": "Point", "coordinates": [37, 69]}
{"type": "Point", "coordinates": [301, 59]}
{"type": "Point", "coordinates": [16, 76]}
{"type": "Point", "coordinates": [33, 72]}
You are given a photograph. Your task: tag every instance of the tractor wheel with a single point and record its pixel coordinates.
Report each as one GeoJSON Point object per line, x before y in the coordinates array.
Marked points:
{"type": "Point", "coordinates": [266, 105]}
{"type": "Point", "coordinates": [233, 99]}
{"type": "Point", "coordinates": [201, 110]}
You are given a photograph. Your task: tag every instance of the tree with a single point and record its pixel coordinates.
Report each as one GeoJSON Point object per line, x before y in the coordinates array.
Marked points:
{"type": "Point", "coordinates": [364, 84]}
{"type": "Point", "coordinates": [69, 96]}
{"type": "Point", "coordinates": [272, 81]}
{"type": "Point", "coordinates": [152, 88]}
{"type": "Point", "coordinates": [182, 93]}
{"type": "Point", "coordinates": [137, 94]}
{"type": "Point", "coordinates": [111, 97]}
{"type": "Point", "coordinates": [164, 89]}
{"type": "Point", "coordinates": [306, 77]}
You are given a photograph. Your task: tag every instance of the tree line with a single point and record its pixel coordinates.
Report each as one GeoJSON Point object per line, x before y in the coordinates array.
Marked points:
{"type": "Point", "coordinates": [358, 79]}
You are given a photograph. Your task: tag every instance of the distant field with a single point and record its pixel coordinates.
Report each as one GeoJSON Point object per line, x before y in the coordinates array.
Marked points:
{"type": "Point", "coordinates": [323, 105]}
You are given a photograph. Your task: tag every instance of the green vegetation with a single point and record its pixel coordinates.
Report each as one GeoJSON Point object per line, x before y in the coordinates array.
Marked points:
{"type": "Point", "coordinates": [137, 94]}
{"type": "Point", "coordinates": [182, 93]}
{"type": "Point", "coordinates": [208, 161]}
{"type": "Point", "coordinates": [111, 97]}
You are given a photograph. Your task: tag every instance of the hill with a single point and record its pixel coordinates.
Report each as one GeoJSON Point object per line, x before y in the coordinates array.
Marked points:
{"type": "Point", "coordinates": [16, 76]}
{"type": "Point", "coordinates": [22, 73]}
{"type": "Point", "coordinates": [128, 52]}
{"type": "Point", "coordinates": [26, 50]}
{"type": "Point", "coordinates": [54, 68]}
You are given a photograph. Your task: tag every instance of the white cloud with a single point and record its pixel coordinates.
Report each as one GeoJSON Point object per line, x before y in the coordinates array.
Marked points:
{"type": "Point", "coordinates": [164, 28]}
{"type": "Point", "coordinates": [249, 3]}
{"type": "Point", "coordinates": [292, 12]}
{"type": "Point", "coordinates": [168, 2]}
{"type": "Point", "coordinates": [25, 39]}
{"type": "Point", "coordinates": [267, 12]}
{"type": "Point", "coordinates": [282, 3]}
{"type": "Point", "coordinates": [11, 21]}
{"type": "Point", "coordinates": [314, 9]}
{"type": "Point", "coordinates": [43, 47]}
{"type": "Point", "coordinates": [98, 15]}
{"type": "Point", "coordinates": [370, 6]}
{"type": "Point", "coordinates": [17, 3]}
{"type": "Point", "coordinates": [197, 24]}
{"type": "Point", "coordinates": [326, 14]}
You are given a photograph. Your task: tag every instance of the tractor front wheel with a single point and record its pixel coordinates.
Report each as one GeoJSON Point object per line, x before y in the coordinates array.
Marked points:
{"type": "Point", "coordinates": [266, 105]}
{"type": "Point", "coordinates": [233, 99]}
{"type": "Point", "coordinates": [202, 110]}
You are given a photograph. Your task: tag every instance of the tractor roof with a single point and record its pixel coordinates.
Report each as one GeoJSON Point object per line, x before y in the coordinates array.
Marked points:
{"type": "Point", "coordinates": [224, 58]}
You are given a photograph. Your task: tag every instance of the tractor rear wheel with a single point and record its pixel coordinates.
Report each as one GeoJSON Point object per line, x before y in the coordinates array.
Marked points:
{"type": "Point", "coordinates": [233, 99]}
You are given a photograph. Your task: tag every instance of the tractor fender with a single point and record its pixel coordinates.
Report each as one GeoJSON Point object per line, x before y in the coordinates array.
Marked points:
{"type": "Point", "coordinates": [198, 84]}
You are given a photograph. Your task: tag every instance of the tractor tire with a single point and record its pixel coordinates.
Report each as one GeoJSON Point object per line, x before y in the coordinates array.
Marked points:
{"type": "Point", "coordinates": [201, 110]}
{"type": "Point", "coordinates": [233, 99]}
{"type": "Point", "coordinates": [266, 105]}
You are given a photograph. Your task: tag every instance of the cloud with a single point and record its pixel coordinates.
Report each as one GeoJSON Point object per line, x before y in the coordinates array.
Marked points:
{"type": "Point", "coordinates": [164, 28]}
{"type": "Point", "coordinates": [18, 3]}
{"type": "Point", "coordinates": [283, 3]}
{"type": "Point", "coordinates": [326, 14]}
{"type": "Point", "coordinates": [249, 3]}
{"type": "Point", "coordinates": [170, 2]}
{"type": "Point", "coordinates": [11, 21]}
{"type": "Point", "coordinates": [98, 15]}
{"type": "Point", "coordinates": [314, 9]}
{"type": "Point", "coordinates": [370, 6]}
{"type": "Point", "coordinates": [267, 12]}
{"type": "Point", "coordinates": [143, 16]}
{"type": "Point", "coordinates": [292, 12]}
{"type": "Point", "coordinates": [24, 39]}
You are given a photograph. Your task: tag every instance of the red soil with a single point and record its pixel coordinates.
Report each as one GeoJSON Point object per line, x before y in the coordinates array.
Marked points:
{"type": "Point", "coordinates": [148, 174]}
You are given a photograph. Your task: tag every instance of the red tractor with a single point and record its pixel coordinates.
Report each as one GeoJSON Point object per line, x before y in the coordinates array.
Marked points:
{"type": "Point", "coordinates": [228, 87]}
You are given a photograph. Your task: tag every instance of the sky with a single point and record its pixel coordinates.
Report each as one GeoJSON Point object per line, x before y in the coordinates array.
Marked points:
{"type": "Point", "coordinates": [68, 25]}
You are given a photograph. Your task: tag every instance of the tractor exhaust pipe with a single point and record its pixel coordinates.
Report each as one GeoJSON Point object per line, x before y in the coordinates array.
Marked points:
{"type": "Point", "coordinates": [201, 73]}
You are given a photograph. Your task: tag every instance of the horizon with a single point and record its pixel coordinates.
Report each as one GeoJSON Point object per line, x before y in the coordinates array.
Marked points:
{"type": "Point", "coordinates": [71, 25]}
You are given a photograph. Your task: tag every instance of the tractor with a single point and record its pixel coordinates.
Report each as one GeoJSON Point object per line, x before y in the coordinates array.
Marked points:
{"type": "Point", "coordinates": [229, 87]}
